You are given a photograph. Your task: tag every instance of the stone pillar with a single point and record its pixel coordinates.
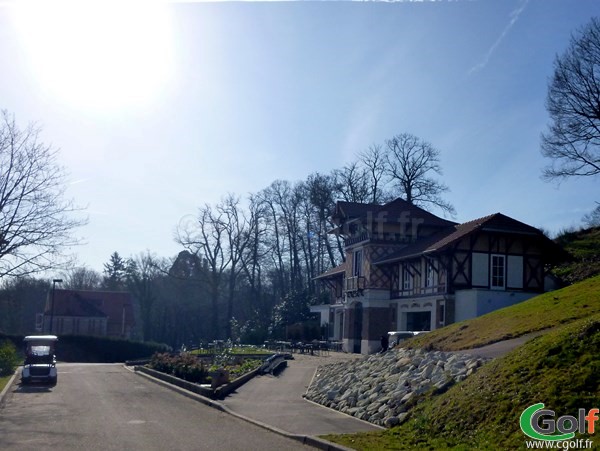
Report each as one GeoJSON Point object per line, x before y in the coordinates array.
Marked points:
{"type": "Point", "coordinates": [376, 322]}
{"type": "Point", "coordinates": [348, 330]}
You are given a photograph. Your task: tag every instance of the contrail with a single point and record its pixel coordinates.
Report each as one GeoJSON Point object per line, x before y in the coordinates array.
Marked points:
{"type": "Point", "coordinates": [514, 16]}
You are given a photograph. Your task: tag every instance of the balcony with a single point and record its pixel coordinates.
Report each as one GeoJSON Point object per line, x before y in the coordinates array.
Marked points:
{"type": "Point", "coordinates": [354, 286]}
{"type": "Point", "coordinates": [356, 239]}
{"type": "Point", "coordinates": [396, 238]}
{"type": "Point", "coordinates": [420, 291]}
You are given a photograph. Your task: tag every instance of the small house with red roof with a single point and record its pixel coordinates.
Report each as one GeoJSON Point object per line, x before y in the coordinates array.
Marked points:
{"type": "Point", "coordinates": [407, 269]}
{"type": "Point", "coordinates": [79, 312]}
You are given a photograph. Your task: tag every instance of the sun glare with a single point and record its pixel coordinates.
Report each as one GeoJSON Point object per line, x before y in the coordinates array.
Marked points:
{"type": "Point", "coordinates": [100, 54]}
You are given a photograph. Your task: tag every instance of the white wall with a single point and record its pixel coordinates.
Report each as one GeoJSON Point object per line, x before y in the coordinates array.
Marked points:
{"type": "Point", "coordinates": [514, 269]}
{"type": "Point", "coordinates": [323, 310]}
{"type": "Point", "coordinates": [480, 267]}
{"type": "Point", "coordinates": [473, 303]}
{"type": "Point", "coordinates": [465, 305]}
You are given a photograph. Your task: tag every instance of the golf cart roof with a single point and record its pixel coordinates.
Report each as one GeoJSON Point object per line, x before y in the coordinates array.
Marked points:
{"type": "Point", "coordinates": [40, 338]}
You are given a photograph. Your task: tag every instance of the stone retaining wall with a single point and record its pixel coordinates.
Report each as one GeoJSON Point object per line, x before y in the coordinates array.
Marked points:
{"type": "Point", "coordinates": [382, 388]}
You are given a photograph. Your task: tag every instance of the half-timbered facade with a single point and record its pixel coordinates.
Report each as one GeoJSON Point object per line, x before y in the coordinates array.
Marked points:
{"type": "Point", "coordinates": [406, 269]}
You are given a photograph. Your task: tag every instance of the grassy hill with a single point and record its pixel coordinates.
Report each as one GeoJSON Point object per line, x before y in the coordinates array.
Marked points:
{"type": "Point", "coordinates": [560, 368]}
{"type": "Point", "coordinates": [548, 310]}
{"type": "Point", "coordinates": [584, 246]}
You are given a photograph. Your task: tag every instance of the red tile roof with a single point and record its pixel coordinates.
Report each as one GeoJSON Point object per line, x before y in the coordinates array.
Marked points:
{"type": "Point", "coordinates": [394, 211]}
{"type": "Point", "coordinates": [333, 272]}
{"type": "Point", "coordinates": [496, 222]}
{"type": "Point", "coordinates": [116, 306]}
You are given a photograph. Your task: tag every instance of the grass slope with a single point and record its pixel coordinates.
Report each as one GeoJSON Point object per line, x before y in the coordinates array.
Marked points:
{"type": "Point", "coordinates": [3, 381]}
{"type": "Point", "coordinates": [560, 369]}
{"type": "Point", "coordinates": [581, 244]}
{"type": "Point", "coordinates": [548, 310]}
{"type": "Point", "coordinates": [584, 246]}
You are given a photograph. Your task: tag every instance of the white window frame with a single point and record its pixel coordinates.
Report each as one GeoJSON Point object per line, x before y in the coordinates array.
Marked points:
{"type": "Point", "coordinates": [429, 273]}
{"type": "Point", "coordinates": [357, 261]}
{"type": "Point", "coordinates": [407, 278]}
{"type": "Point", "coordinates": [494, 286]}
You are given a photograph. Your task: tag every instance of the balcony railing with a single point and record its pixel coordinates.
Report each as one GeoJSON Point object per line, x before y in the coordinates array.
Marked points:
{"type": "Point", "coordinates": [356, 239]}
{"type": "Point", "coordinates": [354, 284]}
{"type": "Point", "coordinates": [420, 291]}
{"type": "Point", "coordinates": [374, 236]}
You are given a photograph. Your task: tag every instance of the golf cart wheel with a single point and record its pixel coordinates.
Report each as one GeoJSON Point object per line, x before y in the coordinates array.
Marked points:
{"type": "Point", "coordinates": [25, 380]}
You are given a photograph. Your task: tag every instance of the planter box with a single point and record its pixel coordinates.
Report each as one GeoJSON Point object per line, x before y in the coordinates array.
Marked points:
{"type": "Point", "coordinates": [216, 393]}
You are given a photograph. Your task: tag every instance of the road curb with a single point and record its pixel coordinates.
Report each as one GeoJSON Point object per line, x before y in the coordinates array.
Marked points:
{"type": "Point", "coordinates": [8, 385]}
{"type": "Point", "coordinates": [304, 439]}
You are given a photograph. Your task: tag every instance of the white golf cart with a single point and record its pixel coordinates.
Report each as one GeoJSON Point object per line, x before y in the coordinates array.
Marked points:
{"type": "Point", "coordinates": [40, 361]}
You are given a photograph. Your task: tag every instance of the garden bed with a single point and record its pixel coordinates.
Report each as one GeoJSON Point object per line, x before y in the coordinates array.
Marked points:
{"type": "Point", "coordinates": [211, 376]}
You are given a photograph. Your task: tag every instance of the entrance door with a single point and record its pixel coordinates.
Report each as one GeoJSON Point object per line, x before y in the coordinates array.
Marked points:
{"type": "Point", "coordinates": [358, 317]}
{"type": "Point", "coordinates": [417, 321]}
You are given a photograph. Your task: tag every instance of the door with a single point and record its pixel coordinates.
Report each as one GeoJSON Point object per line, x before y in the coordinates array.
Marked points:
{"type": "Point", "coordinates": [417, 321]}
{"type": "Point", "coordinates": [358, 317]}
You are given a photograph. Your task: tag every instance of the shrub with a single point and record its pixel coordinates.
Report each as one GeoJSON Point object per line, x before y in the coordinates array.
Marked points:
{"type": "Point", "coordinates": [184, 366]}
{"type": "Point", "coordinates": [85, 348]}
{"type": "Point", "coordinates": [162, 362]}
{"type": "Point", "coordinates": [9, 359]}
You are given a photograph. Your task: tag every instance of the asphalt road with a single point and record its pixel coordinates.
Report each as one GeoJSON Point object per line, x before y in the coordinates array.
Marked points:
{"type": "Point", "coordinates": [106, 407]}
{"type": "Point", "coordinates": [281, 403]}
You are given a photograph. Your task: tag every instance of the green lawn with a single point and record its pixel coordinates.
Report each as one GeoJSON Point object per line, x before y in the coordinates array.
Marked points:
{"type": "Point", "coordinates": [239, 350]}
{"type": "Point", "coordinates": [560, 368]}
{"type": "Point", "coordinates": [548, 310]}
{"type": "Point", "coordinates": [3, 381]}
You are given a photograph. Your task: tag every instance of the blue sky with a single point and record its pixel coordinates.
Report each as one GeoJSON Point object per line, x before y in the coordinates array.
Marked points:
{"type": "Point", "coordinates": [160, 108]}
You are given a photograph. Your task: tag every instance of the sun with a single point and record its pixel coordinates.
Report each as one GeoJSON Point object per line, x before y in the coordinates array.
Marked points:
{"type": "Point", "coordinates": [97, 54]}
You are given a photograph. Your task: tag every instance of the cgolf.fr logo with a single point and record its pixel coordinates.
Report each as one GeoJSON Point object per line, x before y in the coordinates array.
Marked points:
{"type": "Point", "coordinates": [540, 424]}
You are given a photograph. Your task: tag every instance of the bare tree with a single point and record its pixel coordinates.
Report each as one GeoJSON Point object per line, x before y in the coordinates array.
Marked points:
{"type": "Point", "coordinates": [573, 102]}
{"type": "Point", "coordinates": [205, 237]}
{"type": "Point", "coordinates": [82, 278]}
{"type": "Point", "coordinates": [255, 255]}
{"type": "Point", "coordinates": [592, 219]}
{"type": "Point", "coordinates": [373, 159]}
{"type": "Point", "coordinates": [143, 271]}
{"type": "Point", "coordinates": [321, 194]}
{"type": "Point", "coordinates": [237, 239]}
{"type": "Point", "coordinates": [37, 223]}
{"type": "Point", "coordinates": [410, 161]}
{"type": "Point", "coordinates": [352, 183]}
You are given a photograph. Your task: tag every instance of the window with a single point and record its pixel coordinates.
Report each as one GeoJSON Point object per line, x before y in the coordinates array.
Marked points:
{"type": "Point", "coordinates": [393, 316]}
{"type": "Point", "coordinates": [357, 263]}
{"type": "Point", "coordinates": [498, 271]}
{"type": "Point", "coordinates": [407, 278]}
{"type": "Point", "coordinates": [442, 314]}
{"type": "Point", "coordinates": [430, 273]}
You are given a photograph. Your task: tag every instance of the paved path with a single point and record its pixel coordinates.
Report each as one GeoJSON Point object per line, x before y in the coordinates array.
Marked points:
{"type": "Point", "coordinates": [277, 400]}
{"type": "Point", "coordinates": [501, 348]}
{"type": "Point", "coordinates": [107, 407]}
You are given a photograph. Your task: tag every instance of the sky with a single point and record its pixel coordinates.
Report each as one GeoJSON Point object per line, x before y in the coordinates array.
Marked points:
{"type": "Point", "coordinates": [159, 108]}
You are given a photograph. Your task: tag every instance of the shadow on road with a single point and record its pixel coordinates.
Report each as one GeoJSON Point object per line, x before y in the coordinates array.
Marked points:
{"type": "Point", "coordinates": [20, 388]}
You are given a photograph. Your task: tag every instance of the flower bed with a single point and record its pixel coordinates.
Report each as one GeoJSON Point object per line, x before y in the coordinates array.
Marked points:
{"type": "Point", "coordinates": [199, 370]}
